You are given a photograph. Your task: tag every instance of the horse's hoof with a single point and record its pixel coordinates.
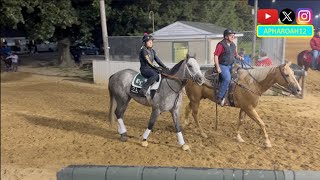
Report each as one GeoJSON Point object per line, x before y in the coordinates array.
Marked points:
{"type": "Point", "coordinates": [239, 139]}
{"type": "Point", "coordinates": [268, 145]}
{"type": "Point", "coordinates": [204, 135]}
{"type": "Point", "coordinates": [124, 137]}
{"type": "Point", "coordinates": [144, 143]}
{"type": "Point", "coordinates": [185, 147]}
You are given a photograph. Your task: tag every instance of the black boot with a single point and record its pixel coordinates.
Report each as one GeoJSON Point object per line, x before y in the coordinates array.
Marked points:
{"type": "Point", "coordinates": [145, 86]}
{"type": "Point", "coordinates": [143, 91]}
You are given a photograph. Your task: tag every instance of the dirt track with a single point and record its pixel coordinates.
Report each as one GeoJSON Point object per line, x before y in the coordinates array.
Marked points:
{"type": "Point", "coordinates": [49, 122]}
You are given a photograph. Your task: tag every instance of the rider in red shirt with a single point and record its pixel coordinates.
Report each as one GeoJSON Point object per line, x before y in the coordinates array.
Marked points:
{"type": "Point", "coordinates": [315, 46]}
{"type": "Point", "coordinates": [224, 57]}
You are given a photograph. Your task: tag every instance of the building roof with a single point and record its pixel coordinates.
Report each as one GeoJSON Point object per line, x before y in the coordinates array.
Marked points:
{"type": "Point", "coordinates": [190, 30]}
{"type": "Point", "coordinates": [205, 26]}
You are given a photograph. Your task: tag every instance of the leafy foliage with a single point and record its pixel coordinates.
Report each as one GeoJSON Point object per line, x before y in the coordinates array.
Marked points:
{"type": "Point", "coordinates": [132, 17]}
{"type": "Point", "coordinates": [65, 20]}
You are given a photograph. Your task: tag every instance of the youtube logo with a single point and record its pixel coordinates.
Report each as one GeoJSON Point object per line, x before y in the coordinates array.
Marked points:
{"type": "Point", "coordinates": [267, 16]}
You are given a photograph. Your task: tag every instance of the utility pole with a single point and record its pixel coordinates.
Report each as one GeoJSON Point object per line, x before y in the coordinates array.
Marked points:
{"type": "Point", "coordinates": [151, 17]}
{"type": "Point", "coordinates": [104, 30]}
{"type": "Point", "coordinates": [254, 29]}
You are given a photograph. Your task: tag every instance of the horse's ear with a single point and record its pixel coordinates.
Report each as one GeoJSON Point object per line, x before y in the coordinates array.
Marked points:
{"type": "Point", "coordinates": [187, 56]}
{"type": "Point", "coordinates": [194, 55]}
{"type": "Point", "coordinates": [288, 63]}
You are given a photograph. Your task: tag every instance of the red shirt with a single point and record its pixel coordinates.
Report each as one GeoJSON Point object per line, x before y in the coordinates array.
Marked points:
{"type": "Point", "coordinates": [308, 56]}
{"type": "Point", "coordinates": [264, 61]}
{"type": "Point", "coordinates": [315, 43]}
{"type": "Point", "coordinates": [220, 50]}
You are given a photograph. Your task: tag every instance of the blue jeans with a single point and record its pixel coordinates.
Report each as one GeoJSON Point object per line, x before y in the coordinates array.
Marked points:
{"type": "Point", "coordinates": [225, 76]}
{"type": "Point", "coordinates": [315, 58]}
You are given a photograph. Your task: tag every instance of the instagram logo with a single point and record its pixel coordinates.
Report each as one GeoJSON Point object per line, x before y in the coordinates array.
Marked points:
{"type": "Point", "coordinates": [304, 16]}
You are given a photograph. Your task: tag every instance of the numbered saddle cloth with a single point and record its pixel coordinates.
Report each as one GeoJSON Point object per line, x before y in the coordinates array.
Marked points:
{"type": "Point", "coordinates": [139, 80]}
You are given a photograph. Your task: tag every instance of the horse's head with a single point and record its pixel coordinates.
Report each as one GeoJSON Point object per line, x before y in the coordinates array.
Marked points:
{"type": "Point", "coordinates": [193, 70]}
{"type": "Point", "coordinates": [287, 79]}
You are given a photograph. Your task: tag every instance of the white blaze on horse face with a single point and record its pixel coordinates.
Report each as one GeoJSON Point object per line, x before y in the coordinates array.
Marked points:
{"type": "Point", "coordinates": [194, 69]}
{"type": "Point", "coordinates": [121, 127]}
{"type": "Point", "coordinates": [195, 66]}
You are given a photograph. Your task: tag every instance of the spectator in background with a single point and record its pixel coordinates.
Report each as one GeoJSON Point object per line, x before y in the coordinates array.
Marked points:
{"type": "Point", "coordinates": [32, 47]}
{"type": "Point", "coordinates": [246, 58]}
{"type": "Point", "coordinates": [6, 50]}
{"type": "Point", "coordinates": [315, 46]}
{"type": "Point", "coordinates": [13, 58]}
{"type": "Point", "coordinates": [264, 60]}
{"type": "Point", "coordinates": [76, 53]}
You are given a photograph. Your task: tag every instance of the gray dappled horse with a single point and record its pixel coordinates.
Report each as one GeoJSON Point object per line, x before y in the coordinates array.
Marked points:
{"type": "Point", "coordinates": [167, 97]}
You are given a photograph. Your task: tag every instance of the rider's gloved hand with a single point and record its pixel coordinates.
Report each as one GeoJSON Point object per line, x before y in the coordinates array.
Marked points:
{"type": "Point", "coordinates": [159, 69]}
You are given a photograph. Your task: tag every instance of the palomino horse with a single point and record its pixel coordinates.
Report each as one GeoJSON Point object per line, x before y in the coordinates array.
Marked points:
{"type": "Point", "coordinates": [252, 83]}
{"type": "Point", "coordinates": [167, 98]}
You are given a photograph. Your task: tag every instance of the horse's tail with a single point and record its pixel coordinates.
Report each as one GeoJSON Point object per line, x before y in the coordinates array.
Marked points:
{"type": "Point", "coordinates": [112, 104]}
{"type": "Point", "coordinates": [300, 59]}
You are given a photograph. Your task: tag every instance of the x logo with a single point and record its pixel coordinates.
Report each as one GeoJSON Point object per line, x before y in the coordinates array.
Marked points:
{"type": "Point", "coordinates": [287, 16]}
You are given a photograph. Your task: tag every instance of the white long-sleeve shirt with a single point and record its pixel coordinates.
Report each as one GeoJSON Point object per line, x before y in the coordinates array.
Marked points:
{"type": "Point", "coordinates": [14, 58]}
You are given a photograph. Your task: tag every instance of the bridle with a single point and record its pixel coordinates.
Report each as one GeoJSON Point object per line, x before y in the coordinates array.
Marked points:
{"type": "Point", "coordinates": [274, 86]}
{"type": "Point", "coordinates": [181, 80]}
{"type": "Point", "coordinates": [290, 85]}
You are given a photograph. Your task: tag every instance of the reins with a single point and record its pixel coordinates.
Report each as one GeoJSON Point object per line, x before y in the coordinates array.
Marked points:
{"type": "Point", "coordinates": [278, 87]}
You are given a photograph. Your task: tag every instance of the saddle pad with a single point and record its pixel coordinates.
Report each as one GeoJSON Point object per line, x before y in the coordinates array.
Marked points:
{"type": "Point", "coordinates": [139, 80]}
{"type": "Point", "coordinates": [211, 74]}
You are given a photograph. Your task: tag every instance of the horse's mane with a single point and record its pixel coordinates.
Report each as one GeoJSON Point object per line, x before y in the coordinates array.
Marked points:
{"type": "Point", "coordinates": [175, 68]}
{"type": "Point", "coordinates": [259, 73]}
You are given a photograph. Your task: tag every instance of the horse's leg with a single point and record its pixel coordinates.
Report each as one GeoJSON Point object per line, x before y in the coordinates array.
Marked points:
{"type": "Point", "coordinates": [154, 116]}
{"type": "Point", "coordinates": [175, 117]}
{"type": "Point", "coordinates": [195, 108]}
{"type": "Point", "coordinates": [187, 113]}
{"type": "Point", "coordinates": [122, 104]}
{"type": "Point", "coordinates": [252, 113]}
{"type": "Point", "coordinates": [242, 115]}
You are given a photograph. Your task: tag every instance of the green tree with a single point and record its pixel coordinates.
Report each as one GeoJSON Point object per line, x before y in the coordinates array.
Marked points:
{"type": "Point", "coordinates": [63, 20]}
{"type": "Point", "coordinates": [130, 17]}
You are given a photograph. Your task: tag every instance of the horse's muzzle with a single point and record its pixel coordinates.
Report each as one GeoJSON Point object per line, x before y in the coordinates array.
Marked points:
{"type": "Point", "coordinates": [199, 79]}
{"type": "Point", "coordinates": [295, 90]}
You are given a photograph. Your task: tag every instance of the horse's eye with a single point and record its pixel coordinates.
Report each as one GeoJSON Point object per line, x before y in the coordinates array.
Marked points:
{"type": "Point", "coordinates": [189, 66]}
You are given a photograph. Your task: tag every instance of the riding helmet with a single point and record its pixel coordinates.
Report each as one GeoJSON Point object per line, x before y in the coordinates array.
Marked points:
{"type": "Point", "coordinates": [146, 37]}
{"type": "Point", "coordinates": [227, 32]}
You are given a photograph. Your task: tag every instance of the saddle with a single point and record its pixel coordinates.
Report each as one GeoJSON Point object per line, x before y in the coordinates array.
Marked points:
{"type": "Point", "coordinates": [138, 82]}
{"type": "Point", "coordinates": [213, 77]}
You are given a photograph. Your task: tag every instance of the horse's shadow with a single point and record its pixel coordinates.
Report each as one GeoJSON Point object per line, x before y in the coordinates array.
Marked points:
{"type": "Point", "coordinates": [101, 116]}
{"type": "Point", "coordinates": [130, 120]}
{"type": "Point", "coordinates": [73, 126]}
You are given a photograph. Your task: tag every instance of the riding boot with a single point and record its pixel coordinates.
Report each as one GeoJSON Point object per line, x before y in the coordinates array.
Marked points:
{"type": "Point", "coordinates": [220, 101]}
{"type": "Point", "coordinates": [145, 86]}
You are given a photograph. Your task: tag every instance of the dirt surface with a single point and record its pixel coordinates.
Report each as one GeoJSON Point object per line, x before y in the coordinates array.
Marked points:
{"type": "Point", "coordinates": [49, 122]}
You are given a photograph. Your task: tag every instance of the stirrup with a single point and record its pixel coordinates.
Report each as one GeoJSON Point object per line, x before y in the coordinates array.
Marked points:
{"type": "Point", "coordinates": [142, 92]}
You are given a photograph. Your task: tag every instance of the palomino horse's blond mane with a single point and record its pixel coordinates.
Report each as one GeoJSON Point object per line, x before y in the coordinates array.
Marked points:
{"type": "Point", "coordinates": [259, 74]}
